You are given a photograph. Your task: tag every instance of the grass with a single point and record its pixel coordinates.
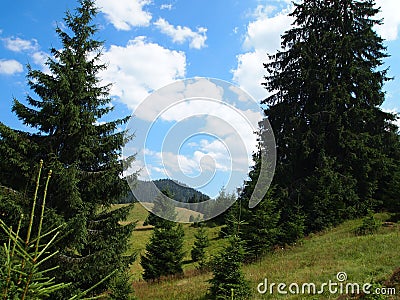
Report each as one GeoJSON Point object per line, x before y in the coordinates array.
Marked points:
{"type": "Point", "coordinates": [142, 234]}
{"type": "Point", "coordinates": [315, 259]}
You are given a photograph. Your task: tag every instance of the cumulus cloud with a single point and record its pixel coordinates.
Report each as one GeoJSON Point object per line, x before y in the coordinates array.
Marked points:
{"type": "Point", "coordinates": [181, 34]}
{"type": "Point", "coordinates": [210, 156]}
{"type": "Point", "coordinates": [40, 58]}
{"type": "Point", "coordinates": [17, 44]}
{"type": "Point", "coordinates": [265, 32]}
{"type": "Point", "coordinates": [390, 13]}
{"type": "Point", "coordinates": [194, 108]}
{"type": "Point", "coordinates": [31, 47]}
{"type": "Point", "coordinates": [125, 14]}
{"type": "Point", "coordinates": [200, 105]}
{"type": "Point", "coordinates": [139, 68]}
{"type": "Point", "coordinates": [262, 38]}
{"type": "Point", "coordinates": [249, 73]}
{"type": "Point", "coordinates": [10, 67]}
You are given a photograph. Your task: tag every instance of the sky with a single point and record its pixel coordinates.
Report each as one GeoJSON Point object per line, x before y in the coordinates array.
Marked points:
{"type": "Point", "coordinates": [152, 46]}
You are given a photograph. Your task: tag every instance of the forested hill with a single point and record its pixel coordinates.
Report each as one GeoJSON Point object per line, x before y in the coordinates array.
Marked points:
{"type": "Point", "coordinates": [181, 192]}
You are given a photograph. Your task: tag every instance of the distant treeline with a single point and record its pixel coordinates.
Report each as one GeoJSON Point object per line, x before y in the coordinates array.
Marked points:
{"type": "Point", "coordinates": [145, 192]}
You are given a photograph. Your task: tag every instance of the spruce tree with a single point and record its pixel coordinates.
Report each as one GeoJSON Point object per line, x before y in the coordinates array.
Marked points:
{"type": "Point", "coordinates": [164, 252]}
{"type": "Point", "coordinates": [228, 281]}
{"type": "Point", "coordinates": [83, 153]}
{"type": "Point", "coordinates": [258, 227]}
{"type": "Point", "coordinates": [333, 139]}
{"type": "Point", "coordinates": [260, 230]}
{"type": "Point", "coordinates": [198, 252]}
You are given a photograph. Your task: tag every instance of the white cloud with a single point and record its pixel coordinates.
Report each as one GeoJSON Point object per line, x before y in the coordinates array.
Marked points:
{"type": "Point", "coordinates": [172, 100]}
{"type": "Point", "coordinates": [241, 94]}
{"type": "Point", "coordinates": [166, 6]}
{"type": "Point", "coordinates": [249, 73]}
{"type": "Point", "coordinates": [262, 10]}
{"type": "Point", "coordinates": [390, 13]}
{"type": "Point", "coordinates": [125, 14]}
{"type": "Point", "coordinates": [206, 158]}
{"type": "Point", "coordinates": [234, 128]}
{"type": "Point", "coordinates": [17, 44]}
{"type": "Point", "coordinates": [32, 47]}
{"type": "Point", "coordinates": [140, 68]}
{"type": "Point", "coordinates": [223, 155]}
{"type": "Point", "coordinates": [265, 33]}
{"type": "Point", "coordinates": [181, 34]}
{"type": "Point", "coordinates": [197, 107]}
{"type": "Point", "coordinates": [40, 59]}
{"type": "Point", "coordinates": [187, 102]}
{"type": "Point", "coordinates": [10, 67]}
{"type": "Point", "coordinates": [263, 37]}
{"type": "Point", "coordinates": [394, 111]}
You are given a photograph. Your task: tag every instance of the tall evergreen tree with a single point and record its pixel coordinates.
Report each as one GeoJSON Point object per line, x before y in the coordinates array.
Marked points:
{"type": "Point", "coordinates": [325, 89]}
{"type": "Point", "coordinates": [83, 154]}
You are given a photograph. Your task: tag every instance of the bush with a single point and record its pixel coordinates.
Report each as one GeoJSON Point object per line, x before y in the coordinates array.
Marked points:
{"type": "Point", "coordinates": [370, 225]}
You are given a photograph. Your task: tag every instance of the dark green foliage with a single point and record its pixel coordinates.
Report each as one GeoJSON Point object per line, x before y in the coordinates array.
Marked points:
{"type": "Point", "coordinates": [21, 257]}
{"type": "Point", "coordinates": [121, 287]}
{"type": "Point", "coordinates": [389, 185]}
{"type": "Point", "coordinates": [335, 146]}
{"type": "Point", "coordinates": [260, 230]}
{"type": "Point", "coordinates": [227, 273]}
{"type": "Point", "coordinates": [370, 225]}
{"type": "Point", "coordinates": [258, 227]}
{"type": "Point", "coordinates": [16, 170]}
{"type": "Point", "coordinates": [23, 254]}
{"type": "Point", "coordinates": [10, 211]}
{"type": "Point", "coordinates": [198, 252]}
{"type": "Point", "coordinates": [83, 154]}
{"type": "Point", "coordinates": [181, 192]}
{"type": "Point", "coordinates": [293, 227]}
{"type": "Point", "coordinates": [164, 252]}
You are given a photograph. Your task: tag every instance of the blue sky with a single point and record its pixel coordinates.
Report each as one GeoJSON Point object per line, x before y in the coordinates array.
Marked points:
{"type": "Point", "coordinates": [151, 44]}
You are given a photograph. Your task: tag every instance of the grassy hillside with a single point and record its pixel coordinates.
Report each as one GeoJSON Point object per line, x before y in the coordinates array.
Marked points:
{"type": "Point", "coordinates": [142, 234]}
{"type": "Point", "coordinates": [315, 259]}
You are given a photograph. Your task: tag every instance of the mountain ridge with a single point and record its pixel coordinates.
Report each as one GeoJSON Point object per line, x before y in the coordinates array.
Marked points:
{"type": "Point", "coordinates": [145, 191]}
